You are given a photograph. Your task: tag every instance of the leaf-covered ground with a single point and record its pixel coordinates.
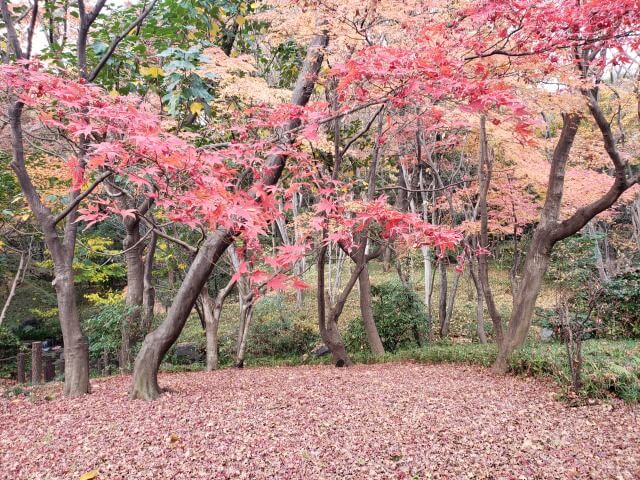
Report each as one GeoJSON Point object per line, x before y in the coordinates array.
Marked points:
{"type": "Point", "coordinates": [366, 422]}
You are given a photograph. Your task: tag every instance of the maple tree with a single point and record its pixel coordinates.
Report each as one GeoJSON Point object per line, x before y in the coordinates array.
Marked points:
{"type": "Point", "coordinates": [187, 137]}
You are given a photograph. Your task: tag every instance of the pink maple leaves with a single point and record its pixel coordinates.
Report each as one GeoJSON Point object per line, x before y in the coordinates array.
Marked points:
{"type": "Point", "coordinates": [397, 421]}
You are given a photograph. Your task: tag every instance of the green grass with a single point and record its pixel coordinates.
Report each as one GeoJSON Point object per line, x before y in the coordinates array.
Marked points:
{"type": "Point", "coordinates": [610, 367]}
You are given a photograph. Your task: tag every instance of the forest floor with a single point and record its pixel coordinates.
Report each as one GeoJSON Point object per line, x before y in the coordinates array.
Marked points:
{"type": "Point", "coordinates": [370, 421]}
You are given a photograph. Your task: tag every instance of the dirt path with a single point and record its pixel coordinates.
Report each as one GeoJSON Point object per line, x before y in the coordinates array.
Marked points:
{"type": "Point", "coordinates": [367, 422]}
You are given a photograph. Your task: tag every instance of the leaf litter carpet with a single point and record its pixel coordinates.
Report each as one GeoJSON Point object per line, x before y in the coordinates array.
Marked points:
{"type": "Point", "coordinates": [367, 422]}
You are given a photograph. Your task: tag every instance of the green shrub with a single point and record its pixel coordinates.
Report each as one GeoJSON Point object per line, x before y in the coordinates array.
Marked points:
{"type": "Point", "coordinates": [619, 305]}
{"type": "Point", "coordinates": [279, 330]}
{"type": "Point", "coordinates": [399, 315]}
{"type": "Point", "coordinates": [9, 346]}
{"type": "Point", "coordinates": [9, 342]}
{"type": "Point", "coordinates": [103, 329]}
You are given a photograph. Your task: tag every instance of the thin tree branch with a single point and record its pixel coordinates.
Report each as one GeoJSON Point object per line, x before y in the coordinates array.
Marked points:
{"type": "Point", "coordinates": [32, 27]}
{"type": "Point", "coordinates": [430, 190]}
{"type": "Point", "coordinates": [160, 233]}
{"type": "Point", "coordinates": [116, 41]}
{"type": "Point", "coordinates": [76, 201]}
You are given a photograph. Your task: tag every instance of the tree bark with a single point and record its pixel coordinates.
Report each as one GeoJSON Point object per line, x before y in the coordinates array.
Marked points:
{"type": "Point", "coordinates": [210, 330]}
{"type": "Point", "coordinates": [212, 312]}
{"type": "Point", "coordinates": [135, 290]}
{"type": "Point", "coordinates": [362, 257]}
{"type": "Point", "coordinates": [157, 343]}
{"type": "Point", "coordinates": [155, 346]}
{"type": "Point", "coordinates": [366, 310]}
{"type": "Point", "coordinates": [76, 348]}
{"type": "Point", "coordinates": [482, 335]}
{"type": "Point", "coordinates": [328, 320]}
{"type": "Point", "coordinates": [539, 251]}
{"type": "Point", "coordinates": [14, 286]}
{"type": "Point", "coordinates": [149, 292]}
{"type": "Point", "coordinates": [62, 250]}
{"type": "Point", "coordinates": [550, 230]}
{"type": "Point", "coordinates": [246, 315]}
{"type": "Point", "coordinates": [486, 170]}
{"type": "Point", "coordinates": [442, 299]}
{"type": "Point", "coordinates": [452, 299]}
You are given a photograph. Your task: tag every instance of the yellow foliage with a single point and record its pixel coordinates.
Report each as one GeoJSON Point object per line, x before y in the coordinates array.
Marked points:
{"type": "Point", "coordinates": [196, 108]}
{"type": "Point", "coordinates": [89, 475]}
{"type": "Point", "coordinates": [153, 71]}
{"type": "Point", "coordinates": [110, 298]}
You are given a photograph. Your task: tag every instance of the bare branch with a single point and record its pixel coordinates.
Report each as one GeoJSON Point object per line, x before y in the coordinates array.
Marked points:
{"type": "Point", "coordinates": [116, 41]}
{"type": "Point", "coordinates": [32, 27]}
{"type": "Point", "coordinates": [430, 190]}
{"type": "Point", "coordinates": [160, 233]}
{"type": "Point", "coordinates": [76, 201]}
{"type": "Point", "coordinates": [12, 36]}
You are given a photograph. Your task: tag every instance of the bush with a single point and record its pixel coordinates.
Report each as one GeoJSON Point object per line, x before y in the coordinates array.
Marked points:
{"type": "Point", "coordinates": [279, 331]}
{"type": "Point", "coordinates": [619, 305]}
{"type": "Point", "coordinates": [399, 315]}
{"type": "Point", "coordinates": [102, 326]}
{"type": "Point", "coordinates": [9, 346]}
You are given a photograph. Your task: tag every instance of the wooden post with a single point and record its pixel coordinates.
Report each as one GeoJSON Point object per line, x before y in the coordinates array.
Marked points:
{"type": "Point", "coordinates": [21, 376]}
{"type": "Point", "coordinates": [49, 369]}
{"type": "Point", "coordinates": [105, 362]}
{"type": "Point", "coordinates": [36, 363]}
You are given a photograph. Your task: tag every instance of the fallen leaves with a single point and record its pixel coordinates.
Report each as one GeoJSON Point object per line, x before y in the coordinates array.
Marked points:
{"type": "Point", "coordinates": [374, 422]}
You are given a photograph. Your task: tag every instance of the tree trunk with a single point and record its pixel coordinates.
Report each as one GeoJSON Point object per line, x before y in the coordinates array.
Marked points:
{"type": "Point", "coordinates": [452, 298]}
{"type": "Point", "coordinates": [328, 321]}
{"type": "Point", "coordinates": [62, 250]}
{"type": "Point", "coordinates": [149, 292]}
{"type": "Point", "coordinates": [428, 275]}
{"type": "Point", "coordinates": [386, 259]}
{"type": "Point", "coordinates": [135, 291]}
{"type": "Point", "coordinates": [14, 286]}
{"type": "Point", "coordinates": [539, 251]}
{"type": "Point", "coordinates": [442, 300]}
{"type": "Point", "coordinates": [486, 169]}
{"type": "Point", "coordinates": [535, 267]}
{"type": "Point", "coordinates": [212, 312]}
{"type": "Point", "coordinates": [211, 321]}
{"type": "Point", "coordinates": [482, 335]}
{"type": "Point", "coordinates": [600, 265]}
{"type": "Point", "coordinates": [246, 315]}
{"type": "Point", "coordinates": [156, 344]}
{"type": "Point", "coordinates": [373, 337]}
{"type": "Point", "coordinates": [76, 349]}
{"type": "Point", "coordinates": [635, 216]}
{"type": "Point", "coordinates": [550, 230]}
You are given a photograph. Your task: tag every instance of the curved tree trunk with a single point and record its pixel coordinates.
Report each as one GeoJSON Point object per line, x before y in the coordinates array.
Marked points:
{"type": "Point", "coordinates": [486, 170]}
{"type": "Point", "coordinates": [76, 348]}
{"type": "Point", "coordinates": [62, 250]}
{"type": "Point", "coordinates": [328, 321]}
{"type": "Point", "coordinates": [373, 337]}
{"type": "Point", "coordinates": [524, 302]}
{"type": "Point", "coordinates": [550, 230]}
{"type": "Point", "coordinates": [156, 344]}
